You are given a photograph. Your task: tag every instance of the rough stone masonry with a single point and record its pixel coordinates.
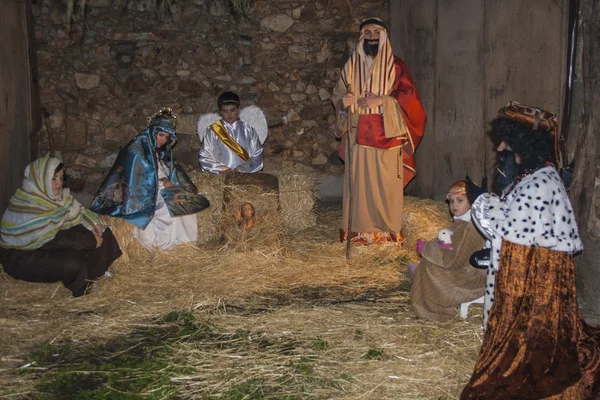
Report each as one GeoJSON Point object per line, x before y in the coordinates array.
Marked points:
{"type": "Point", "coordinates": [102, 77]}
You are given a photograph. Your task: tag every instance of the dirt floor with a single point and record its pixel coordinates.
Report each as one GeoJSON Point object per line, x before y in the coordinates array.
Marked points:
{"type": "Point", "coordinates": [292, 320]}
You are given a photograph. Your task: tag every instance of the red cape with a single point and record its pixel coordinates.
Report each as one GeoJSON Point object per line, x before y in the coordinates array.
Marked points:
{"type": "Point", "coordinates": [370, 132]}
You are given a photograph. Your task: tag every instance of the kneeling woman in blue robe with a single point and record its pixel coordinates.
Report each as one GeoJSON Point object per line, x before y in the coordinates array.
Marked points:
{"type": "Point", "coordinates": [149, 189]}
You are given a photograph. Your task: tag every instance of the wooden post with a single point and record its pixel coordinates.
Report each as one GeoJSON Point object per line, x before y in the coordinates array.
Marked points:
{"type": "Point", "coordinates": [17, 112]}
{"type": "Point", "coordinates": [584, 174]}
{"type": "Point", "coordinates": [585, 152]}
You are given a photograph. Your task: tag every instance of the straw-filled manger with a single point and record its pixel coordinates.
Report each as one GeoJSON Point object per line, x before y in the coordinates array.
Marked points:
{"type": "Point", "coordinates": [286, 319]}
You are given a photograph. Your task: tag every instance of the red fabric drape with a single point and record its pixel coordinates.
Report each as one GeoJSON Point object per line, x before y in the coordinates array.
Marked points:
{"type": "Point", "coordinates": [370, 132]}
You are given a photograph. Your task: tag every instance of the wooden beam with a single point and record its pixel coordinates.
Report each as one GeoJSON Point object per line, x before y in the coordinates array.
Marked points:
{"type": "Point", "coordinates": [586, 162]}
{"type": "Point", "coordinates": [413, 33]}
{"type": "Point", "coordinates": [584, 177]}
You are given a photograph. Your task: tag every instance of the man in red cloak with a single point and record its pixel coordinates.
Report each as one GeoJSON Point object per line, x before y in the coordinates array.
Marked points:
{"type": "Point", "coordinates": [386, 124]}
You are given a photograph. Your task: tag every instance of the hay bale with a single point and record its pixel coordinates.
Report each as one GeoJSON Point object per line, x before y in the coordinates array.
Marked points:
{"type": "Point", "coordinates": [210, 186]}
{"type": "Point", "coordinates": [296, 195]}
{"type": "Point", "coordinates": [297, 198]}
{"type": "Point", "coordinates": [217, 221]}
{"type": "Point", "coordinates": [123, 231]}
{"type": "Point", "coordinates": [423, 218]}
{"type": "Point", "coordinates": [267, 230]}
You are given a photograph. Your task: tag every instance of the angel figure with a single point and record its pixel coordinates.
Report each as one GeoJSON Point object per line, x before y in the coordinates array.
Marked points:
{"type": "Point", "coordinates": [233, 141]}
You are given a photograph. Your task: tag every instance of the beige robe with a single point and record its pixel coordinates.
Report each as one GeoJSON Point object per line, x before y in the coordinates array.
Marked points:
{"type": "Point", "coordinates": [444, 279]}
{"type": "Point", "coordinates": [377, 184]}
{"type": "Point", "coordinates": [377, 191]}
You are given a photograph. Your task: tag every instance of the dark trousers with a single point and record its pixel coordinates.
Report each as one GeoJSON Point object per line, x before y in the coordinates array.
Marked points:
{"type": "Point", "coordinates": [71, 258]}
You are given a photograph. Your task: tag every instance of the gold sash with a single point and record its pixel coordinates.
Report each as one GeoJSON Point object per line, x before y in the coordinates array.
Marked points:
{"type": "Point", "coordinates": [234, 146]}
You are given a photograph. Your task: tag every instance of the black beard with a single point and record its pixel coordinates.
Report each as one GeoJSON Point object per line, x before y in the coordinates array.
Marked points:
{"type": "Point", "coordinates": [506, 171]}
{"type": "Point", "coordinates": [371, 49]}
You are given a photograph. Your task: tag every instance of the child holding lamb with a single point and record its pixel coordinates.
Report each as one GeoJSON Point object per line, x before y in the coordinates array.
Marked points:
{"type": "Point", "coordinates": [444, 278]}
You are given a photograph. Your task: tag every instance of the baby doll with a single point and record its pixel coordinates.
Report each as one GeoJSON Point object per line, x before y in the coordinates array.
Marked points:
{"type": "Point", "coordinates": [246, 216]}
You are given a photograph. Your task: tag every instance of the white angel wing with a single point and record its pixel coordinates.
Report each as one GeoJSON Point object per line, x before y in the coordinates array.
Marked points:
{"type": "Point", "coordinates": [255, 117]}
{"type": "Point", "coordinates": [204, 122]}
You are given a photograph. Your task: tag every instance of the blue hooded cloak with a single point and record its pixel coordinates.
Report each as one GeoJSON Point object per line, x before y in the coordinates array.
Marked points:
{"type": "Point", "coordinates": [129, 190]}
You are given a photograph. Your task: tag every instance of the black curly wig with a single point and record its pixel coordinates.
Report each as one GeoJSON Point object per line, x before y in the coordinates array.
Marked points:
{"type": "Point", "coordinates": [534, 147]}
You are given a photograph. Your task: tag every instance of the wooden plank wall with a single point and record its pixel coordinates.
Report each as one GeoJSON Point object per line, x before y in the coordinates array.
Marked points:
{"type": "Point", "coordinates": [17, 116]}
{"type": "Point", "coordinates": [470, 57]}
{"type": "Point", "coordinates": [412, 22]}
{"type": "Point", "coordinates": [460, 78]}
{"type": "Point", "coordinates": [526, 55]}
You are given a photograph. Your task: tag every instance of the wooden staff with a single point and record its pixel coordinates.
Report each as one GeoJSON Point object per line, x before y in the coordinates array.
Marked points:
{"type": "Point", "coordinates": [349, 166]}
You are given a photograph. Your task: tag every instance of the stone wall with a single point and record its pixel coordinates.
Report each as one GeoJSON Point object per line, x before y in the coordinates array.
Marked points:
{"type": "Point", "coordinates": [102, 78]}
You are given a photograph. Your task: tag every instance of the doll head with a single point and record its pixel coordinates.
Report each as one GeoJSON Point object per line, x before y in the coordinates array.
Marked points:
{"type": "Point", "coordinates": [457, 199]}
{"type": "Point", "coordinates": [248, 210]}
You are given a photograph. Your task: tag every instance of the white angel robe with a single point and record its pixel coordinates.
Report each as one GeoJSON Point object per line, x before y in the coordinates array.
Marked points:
{"type": "Point", "coordinates": [165, 231]}
{"type": "Point", "coordinates": [215, 157]}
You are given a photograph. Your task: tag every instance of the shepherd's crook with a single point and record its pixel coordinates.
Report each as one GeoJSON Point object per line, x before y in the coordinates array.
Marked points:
{"type": "Point", "coordinates": [349, 167]}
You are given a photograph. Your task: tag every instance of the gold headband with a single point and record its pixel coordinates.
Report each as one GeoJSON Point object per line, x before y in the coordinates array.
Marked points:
{"type": "Point", "coordinates": [460, 191]}
{"type": "Point", "coordinates": [460, 187]}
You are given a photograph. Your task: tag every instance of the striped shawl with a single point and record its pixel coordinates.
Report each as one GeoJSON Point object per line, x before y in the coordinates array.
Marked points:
{"type": "Point", "coordinates": [363, 74]}
{"type": "Point", "coordinates": [35, 215]}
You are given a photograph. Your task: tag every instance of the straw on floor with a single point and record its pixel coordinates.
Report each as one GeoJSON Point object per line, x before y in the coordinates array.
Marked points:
{"type": "Point", "coordinates": [289, 295]}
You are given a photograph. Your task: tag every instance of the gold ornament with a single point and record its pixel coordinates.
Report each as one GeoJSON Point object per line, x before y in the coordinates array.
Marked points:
{"type": "Point", "coordinates": [168, 111]}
